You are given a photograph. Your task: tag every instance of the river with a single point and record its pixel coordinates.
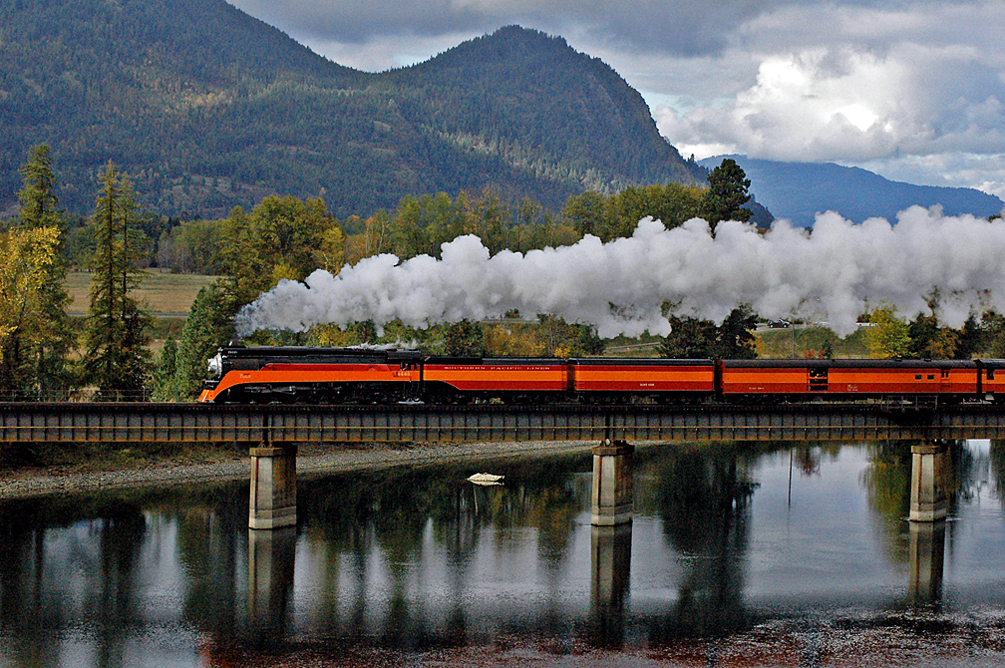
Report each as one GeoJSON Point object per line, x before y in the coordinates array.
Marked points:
{"type": "Point", "coordinates": [746, 555]}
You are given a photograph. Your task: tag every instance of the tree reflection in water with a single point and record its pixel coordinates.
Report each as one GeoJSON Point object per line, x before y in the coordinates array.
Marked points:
{"type": "Point", "coordinates": [406, 515]}
{"type": "Point", "coordinates": [702, 496]}
{"type": "Point", "coordinates": [407, 565]}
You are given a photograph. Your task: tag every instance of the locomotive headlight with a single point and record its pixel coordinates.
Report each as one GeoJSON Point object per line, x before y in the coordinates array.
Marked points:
{"type": "Point", "coordinates": [216, 366]}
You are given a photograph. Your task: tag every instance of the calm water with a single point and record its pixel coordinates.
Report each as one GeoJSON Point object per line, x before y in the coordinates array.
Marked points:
{"type": "Point", "coordinates": [795, 555]}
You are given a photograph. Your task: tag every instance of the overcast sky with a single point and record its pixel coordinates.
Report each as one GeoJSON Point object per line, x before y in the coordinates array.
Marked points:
{"type": "Point", "coordinates": [913, 90]}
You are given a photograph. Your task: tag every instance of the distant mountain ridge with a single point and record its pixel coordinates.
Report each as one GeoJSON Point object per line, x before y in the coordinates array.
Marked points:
{"type": "Point", "coordinates": [207, 108]}
{"type": "Point", "coordinates": [798, 191]}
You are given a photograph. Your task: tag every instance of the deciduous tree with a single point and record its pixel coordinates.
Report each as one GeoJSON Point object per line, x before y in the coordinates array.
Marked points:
{"type": "Point", "coordinates": [889, 336]}
{"type": "Point", "coordinates": [465, 339]}
{"type": "Point", "coordinates": [25, 258]}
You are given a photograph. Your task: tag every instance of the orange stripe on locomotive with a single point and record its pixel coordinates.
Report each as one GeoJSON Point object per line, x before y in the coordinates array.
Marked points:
{"type": "Point", "coordinates": [308, 374]}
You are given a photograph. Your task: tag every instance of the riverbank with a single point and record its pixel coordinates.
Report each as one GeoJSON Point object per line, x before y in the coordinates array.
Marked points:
{"type": "Point", "coordinates": [312, 461]}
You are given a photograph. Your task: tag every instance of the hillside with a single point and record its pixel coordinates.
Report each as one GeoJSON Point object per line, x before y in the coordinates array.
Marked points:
{"type": "Point", "coordinates": [207, 108]}
{"type": "Point", "coordinates": [797, 191]}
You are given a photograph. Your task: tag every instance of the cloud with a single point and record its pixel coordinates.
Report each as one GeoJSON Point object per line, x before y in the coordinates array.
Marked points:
{"type": "Point", "coordinates": [857, 81]}
{"type": "Point", "coordinates": [808, 106]}
{"type": "Point", "coordinates": [683, 27]}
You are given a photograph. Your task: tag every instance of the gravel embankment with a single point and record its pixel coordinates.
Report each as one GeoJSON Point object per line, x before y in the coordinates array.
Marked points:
{"type": "Point", "coordinates": [311, 461]}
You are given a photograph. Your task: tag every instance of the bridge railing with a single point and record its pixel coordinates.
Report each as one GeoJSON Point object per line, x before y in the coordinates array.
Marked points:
{"type": "Point", "coordinates": [193, 422]}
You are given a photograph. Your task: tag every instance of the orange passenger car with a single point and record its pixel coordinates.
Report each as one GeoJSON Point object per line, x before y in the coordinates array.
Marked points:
{"type": "Point", "coordinates": [991, 379]}
{"type": "Point", "coordinates": [848, 378]}
{"type": "Point", "coordinates": [655, 378]}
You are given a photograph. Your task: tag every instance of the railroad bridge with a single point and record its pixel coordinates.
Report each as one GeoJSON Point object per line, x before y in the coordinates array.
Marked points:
{"type": "Point", "coordinates": [272, 433]}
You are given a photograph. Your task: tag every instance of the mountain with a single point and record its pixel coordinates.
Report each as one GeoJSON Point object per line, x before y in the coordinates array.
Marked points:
{"type": "Point", "coordinates": [207, 108]}
{"type": "Point", "coordinates": [798, 191]}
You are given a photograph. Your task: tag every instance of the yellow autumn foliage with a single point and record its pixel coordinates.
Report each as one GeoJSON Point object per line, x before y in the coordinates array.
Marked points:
{"type": "Point", "coordinates": [25, 257]}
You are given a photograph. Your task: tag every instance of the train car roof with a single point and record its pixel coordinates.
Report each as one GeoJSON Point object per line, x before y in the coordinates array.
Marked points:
{"type": "Point", "coordinates": [638, 361]}
{"type": "Point", "coordinates": [851, 364]}
{"type": "Point", "coordinates": [313, 351]}
{"type": "Point", "coordinates": [446, 359]}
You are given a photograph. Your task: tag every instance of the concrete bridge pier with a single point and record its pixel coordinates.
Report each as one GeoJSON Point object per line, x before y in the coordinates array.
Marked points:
{"type": "Point", "coordinates": [930, 462]}
{"type": "Point", "coordinates": [273, 503]}
{"type": "Point", "coordinates": [612, 484]}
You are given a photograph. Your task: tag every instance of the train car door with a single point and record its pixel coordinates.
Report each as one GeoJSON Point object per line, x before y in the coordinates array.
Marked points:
{"type": "Point", "coordinates": [819, 379]}
{"type": "Point", "coordinates": [992, 378]}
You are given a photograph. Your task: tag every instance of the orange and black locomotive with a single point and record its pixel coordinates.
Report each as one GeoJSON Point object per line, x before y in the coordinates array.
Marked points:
{"type": "Point", "coordinates": [267, 374]}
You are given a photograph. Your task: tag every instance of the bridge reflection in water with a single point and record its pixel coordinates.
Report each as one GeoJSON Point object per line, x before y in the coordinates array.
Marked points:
{"type": "Point", "coordinates": [401, 559]}
{"type": "Point", "coordinates": [705, 514]}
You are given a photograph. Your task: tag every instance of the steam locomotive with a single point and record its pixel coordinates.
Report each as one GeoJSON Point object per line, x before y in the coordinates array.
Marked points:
{"type": "Point", "coordinates": [310, 375]}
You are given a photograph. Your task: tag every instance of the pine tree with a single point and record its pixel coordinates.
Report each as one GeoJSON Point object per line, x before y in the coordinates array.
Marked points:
{"type": "Point", "coordinates": [726, 194]}
{"type": "Point", "coordinates": [210, 324]}
{"type": "Point", "coordinates": [164, 373]}
{"type": "Point", "coordinates": [36, 366]}
{"type": "Point", "coordinates": [116, 359]}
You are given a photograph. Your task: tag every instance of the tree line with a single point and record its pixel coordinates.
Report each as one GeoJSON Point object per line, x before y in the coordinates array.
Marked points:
{"type": "Point", "coordinates": [46, 354]}
{"type": "Point", "coordinates": [38, 340]}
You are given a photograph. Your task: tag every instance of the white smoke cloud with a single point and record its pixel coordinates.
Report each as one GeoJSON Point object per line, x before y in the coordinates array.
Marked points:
{"type": "Point", "coordinates": [833, 274]}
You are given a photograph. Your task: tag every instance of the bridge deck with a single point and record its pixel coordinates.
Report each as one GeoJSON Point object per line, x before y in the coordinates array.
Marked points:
{"type": "Point", "coordinates": [190, 422]}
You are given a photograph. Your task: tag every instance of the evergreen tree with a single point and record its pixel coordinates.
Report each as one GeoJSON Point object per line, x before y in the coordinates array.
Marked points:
{"type": "Point", "coordinates": [209, 325]}
{"type": "Point", "coordinates": [164, 373]}
{"type": "Point", "coordinates": [36, 366]}
{"type": "Point", "coordinates": [691, 338]}
{"type": "Point", "coordinates": [116, 359]}
{"type": "Point", "coordinates": [726, 194]}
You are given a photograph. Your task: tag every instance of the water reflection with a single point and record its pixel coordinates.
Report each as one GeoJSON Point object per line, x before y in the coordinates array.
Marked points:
{"type": "Point", "coordinates": [927, 554]}
{"type": "Point", "coordinates": [610, 571]}
{"type": "Point", "coordinates": [728, 542]}
{"type": "Point", "coordinates": [703, 498]}
{"type": "Point", "coordinates": [270, 580]}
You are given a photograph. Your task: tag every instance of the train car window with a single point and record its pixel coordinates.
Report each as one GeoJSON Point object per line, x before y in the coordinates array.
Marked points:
{"type": "Point", "coordinates": [991, 374]}
{"type": "Point", "coordinates": [931, 376]}
{"type": "Point", "coordinates": [945, 373]}
{"type": "Point", "coordinates": [917, 376]}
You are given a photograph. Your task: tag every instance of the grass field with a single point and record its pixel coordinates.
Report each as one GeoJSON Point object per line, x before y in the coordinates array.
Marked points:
{"type": "Point", "coordinates": [160, 292]}
{"type": "Point", "coordinates": [804, 342]}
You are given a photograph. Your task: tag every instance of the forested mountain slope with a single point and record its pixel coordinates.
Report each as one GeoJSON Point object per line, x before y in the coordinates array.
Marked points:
{"type": "Point", "coordinates": [206, 108]}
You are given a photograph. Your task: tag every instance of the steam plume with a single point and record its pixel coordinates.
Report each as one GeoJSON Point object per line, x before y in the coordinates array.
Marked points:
{"type": "Point", "coordinates": [832, 274]}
